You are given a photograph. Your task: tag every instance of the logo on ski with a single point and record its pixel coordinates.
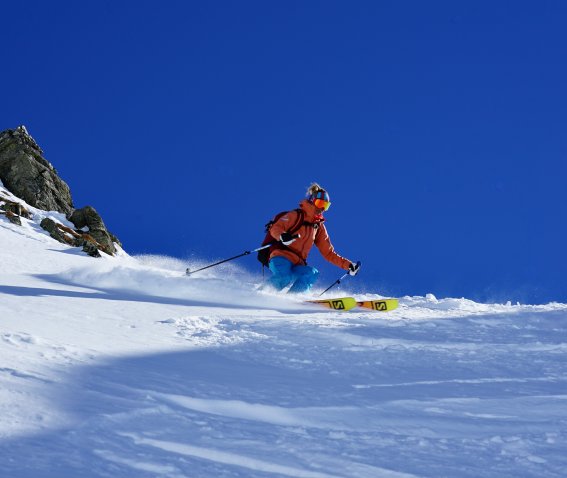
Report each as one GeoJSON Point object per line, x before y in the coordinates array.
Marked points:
{"type": "Point", "coordinates": [383, 305]}
{"type": "Point", "coordinates": [380, 305]}
{"type": "Point", "coordinates": [338, 305]}
{"type": "Point", "coordinates": [348, 303]}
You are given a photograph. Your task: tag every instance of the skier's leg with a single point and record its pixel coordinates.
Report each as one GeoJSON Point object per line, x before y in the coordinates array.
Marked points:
{"type": "Point", "coordinates": [282, 275]}
{"type": "Point", "coordinates": [305, 277]}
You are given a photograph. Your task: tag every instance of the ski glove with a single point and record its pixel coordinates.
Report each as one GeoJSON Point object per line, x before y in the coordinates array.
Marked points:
{"type": "Point", "coordinates": [286, 238]}
{"type": "Point", "coordinates": [353, 268]}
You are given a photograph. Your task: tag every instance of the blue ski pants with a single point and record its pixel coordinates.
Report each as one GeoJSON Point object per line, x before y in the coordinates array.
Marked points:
{"type": "Point", "coordinates": [285, 273]}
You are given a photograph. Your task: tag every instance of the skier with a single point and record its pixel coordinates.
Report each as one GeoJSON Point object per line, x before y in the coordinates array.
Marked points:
{"type": "Point", "coordinates": [297, 231]}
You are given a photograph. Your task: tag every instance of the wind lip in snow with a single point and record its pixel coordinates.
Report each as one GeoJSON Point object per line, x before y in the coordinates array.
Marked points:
{"type": "Point", "coordinates": [135, 280]}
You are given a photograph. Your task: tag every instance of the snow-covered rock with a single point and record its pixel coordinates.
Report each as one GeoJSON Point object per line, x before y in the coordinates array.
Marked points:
{"type": "Point", "coordinates": [27, 176]}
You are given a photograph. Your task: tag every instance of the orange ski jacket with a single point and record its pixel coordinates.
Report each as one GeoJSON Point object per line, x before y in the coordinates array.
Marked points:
{"type": "Point", "coordinates": [312, 231]}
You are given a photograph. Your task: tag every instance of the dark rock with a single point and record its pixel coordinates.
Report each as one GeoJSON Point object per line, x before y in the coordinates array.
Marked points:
{"type": "Point", "coordinates": [15, 208]}
{"type": "Point", "coordinates": [27, 174]}
{"type": "Point", "coordinates": [65, 235]}
{"type": "Point", "coordinates": [89, 218]}
{"type": "Point", "coordinates": [58, 234]}
{"type": "Point", "coordinates": [13, 218]}
{"type": "Point", "coordinates": [91, 249]}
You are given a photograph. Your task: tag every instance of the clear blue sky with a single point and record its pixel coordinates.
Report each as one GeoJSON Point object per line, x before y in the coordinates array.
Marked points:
{"type": "Point", "coordinates": [439, 129]}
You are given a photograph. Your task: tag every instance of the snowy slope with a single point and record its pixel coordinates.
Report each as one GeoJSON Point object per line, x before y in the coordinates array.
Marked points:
{"type": "Point", "coordinates": [124, 367]}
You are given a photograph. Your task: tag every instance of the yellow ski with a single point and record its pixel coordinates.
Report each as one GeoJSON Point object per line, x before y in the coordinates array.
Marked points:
{"type": "Point", "coordinates": [341, 303]}
{"type": "Point", "coordinates": [382, 305]}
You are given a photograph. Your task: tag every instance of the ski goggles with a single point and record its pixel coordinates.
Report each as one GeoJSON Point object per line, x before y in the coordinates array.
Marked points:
{"type": "Point", "coordinates": [322, 204]}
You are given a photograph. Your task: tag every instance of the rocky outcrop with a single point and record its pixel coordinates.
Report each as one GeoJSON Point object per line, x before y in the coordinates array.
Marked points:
{"type": "Point", "coordinates": [27, 174]}
{"type": "Point", "coordinates": [87, 217]}
{"type": "Point", "coordinates": [13, 210]}
{"type": "Point", "coordinates": [66, 235]}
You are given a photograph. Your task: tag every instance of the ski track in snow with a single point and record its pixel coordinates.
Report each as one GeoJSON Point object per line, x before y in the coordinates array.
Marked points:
{"type": "Point", "coordinates": [124, 367]}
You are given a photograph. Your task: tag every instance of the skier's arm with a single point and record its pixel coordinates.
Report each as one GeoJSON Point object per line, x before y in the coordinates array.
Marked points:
{"type": "Point", "coordinates": [323, 243]}
{"type": "Point", "coordinates": [283, 224]}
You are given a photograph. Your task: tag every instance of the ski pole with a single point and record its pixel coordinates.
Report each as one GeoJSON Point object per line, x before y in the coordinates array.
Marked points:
{"type": "Point", "coordinates": [245, 253]}
{"type": "Point", "coordinates": [338, 281]}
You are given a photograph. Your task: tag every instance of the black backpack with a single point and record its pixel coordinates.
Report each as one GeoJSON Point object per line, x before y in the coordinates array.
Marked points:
{"type": "Point", "coordinates": [264, 254]}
